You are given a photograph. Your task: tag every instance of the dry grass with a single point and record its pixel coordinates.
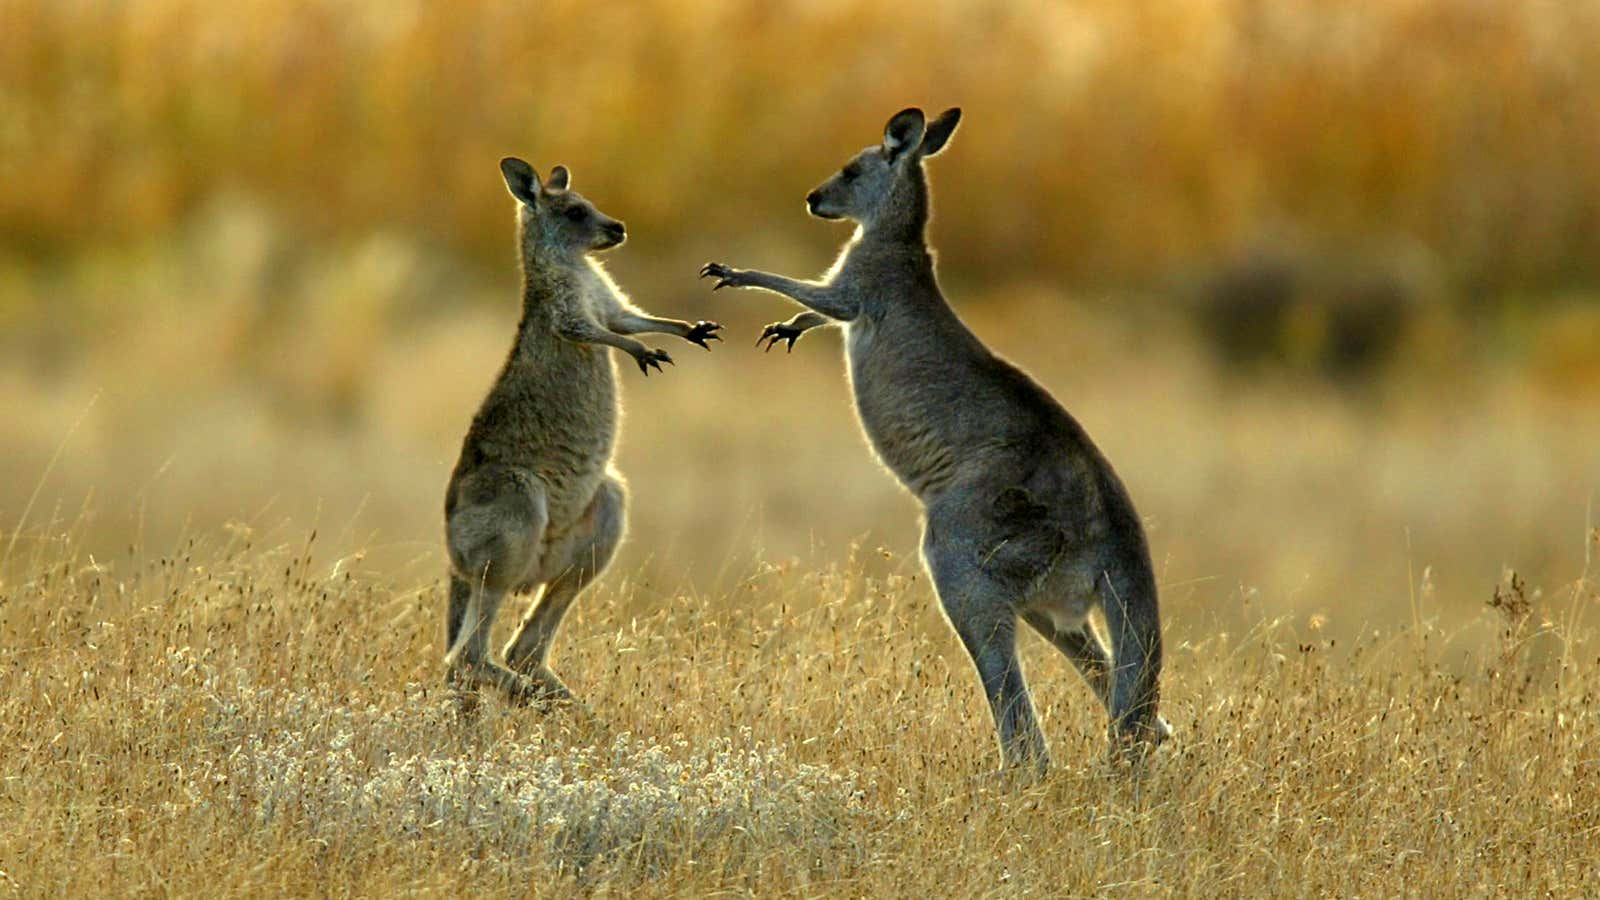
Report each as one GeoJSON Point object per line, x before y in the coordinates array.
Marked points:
{"type": "Point", "coordinates": [236, 718]}
{"type": "Point", "coordinates": [255, 272]}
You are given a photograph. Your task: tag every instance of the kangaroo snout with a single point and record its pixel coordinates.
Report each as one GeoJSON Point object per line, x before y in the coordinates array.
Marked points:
{"type": "Point", "coordinates": [814, 206]}
{"type": "Point", "coordinates": [616, 232]}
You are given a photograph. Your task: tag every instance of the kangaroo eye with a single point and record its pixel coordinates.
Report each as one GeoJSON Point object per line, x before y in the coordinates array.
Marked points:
{"type": "Point", "coordinates": [574, 214]}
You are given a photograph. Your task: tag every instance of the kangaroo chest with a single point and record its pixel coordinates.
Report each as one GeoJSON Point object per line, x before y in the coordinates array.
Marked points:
{"type": "Point", "coordinates": [898, 400]}
{"type": "Point", "coordinates": [553, 413]}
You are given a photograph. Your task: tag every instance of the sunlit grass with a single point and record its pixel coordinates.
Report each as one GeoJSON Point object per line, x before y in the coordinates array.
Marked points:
{"type": "Point", "coordinates": [235, 719]}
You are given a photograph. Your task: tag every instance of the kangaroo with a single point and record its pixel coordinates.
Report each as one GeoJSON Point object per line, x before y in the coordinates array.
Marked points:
{"type": "Point", "coordinates": [1022, 515]}
{"type": "Point", "coordinates": [533, 501]}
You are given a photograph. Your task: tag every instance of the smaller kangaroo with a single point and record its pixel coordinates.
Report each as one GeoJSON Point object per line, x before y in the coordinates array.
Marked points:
{"type": "Point", "coordinates": [533, 501]}
{"type": "Point", "coordinates": [1022, 515]}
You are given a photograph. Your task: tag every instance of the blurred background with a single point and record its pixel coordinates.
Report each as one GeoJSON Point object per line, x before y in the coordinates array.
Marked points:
{"type": "Point", "coordinates": [1322, 278]}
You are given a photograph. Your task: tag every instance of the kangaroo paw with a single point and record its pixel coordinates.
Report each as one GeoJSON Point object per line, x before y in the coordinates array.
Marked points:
{"type": "Point", "coordinates": [702, 332]}
{"type": "Point", "coordinates": [726, 276]}
{"type": "Point", "coordinates": [779, 331]}
{"type": "Point", "coordinates": [652, 358]}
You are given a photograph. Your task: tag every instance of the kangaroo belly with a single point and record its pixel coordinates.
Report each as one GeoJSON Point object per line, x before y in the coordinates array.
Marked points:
{"type": "Point", "coordinates": [1065, 593]}
{"type": "Point", "coordinates": [573, 454]}
{"type": "Point", "coordinates": [556, 418]}
{"type": "Point", "coordinates": [570, 492]}
{"type": "Point", "coordinates": [916, 413]}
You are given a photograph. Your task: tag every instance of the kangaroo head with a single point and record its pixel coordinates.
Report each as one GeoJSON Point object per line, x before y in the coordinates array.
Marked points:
{"type": "Point", "coordinates": [884, 184]}
{"type": "Point", "coordinates": [553, 217]}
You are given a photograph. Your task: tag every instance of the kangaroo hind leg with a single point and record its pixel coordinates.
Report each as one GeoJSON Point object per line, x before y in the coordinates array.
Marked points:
{"type": "Point", "coordinates": [1082, 647]}
{"type": "Point", "coordinates": [494, 536]}
{"type": "Point", "coordinates": [984, 617]}
{"type": "Point", "coordinates": [460, 595]}
{"type": "Point", "coordinates": [573, 562]}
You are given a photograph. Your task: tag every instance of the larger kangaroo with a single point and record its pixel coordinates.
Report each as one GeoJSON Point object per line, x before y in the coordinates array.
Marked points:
{"type": "Point", "coordinates": [1023, 518]}
{"type": "Point", "coordinates": [533, 500]}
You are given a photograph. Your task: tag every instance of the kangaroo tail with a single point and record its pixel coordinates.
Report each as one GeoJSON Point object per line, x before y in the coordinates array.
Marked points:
{"type": "Point", "coordinates": [1134, 620]}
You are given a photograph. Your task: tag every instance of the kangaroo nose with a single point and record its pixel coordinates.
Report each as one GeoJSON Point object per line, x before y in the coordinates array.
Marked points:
{"type": "Point", "coordinates": [617, 229]}
{"type": "Point", "coordinates": [813, 198]}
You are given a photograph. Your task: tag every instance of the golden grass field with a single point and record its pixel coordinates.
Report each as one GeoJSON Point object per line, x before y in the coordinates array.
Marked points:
{"type": "Point", "coordinates": [256, 271]}
{"type": "Point", "coordinates": [203, 698]}
{"type": "Point", "coordinates": [239, 717]}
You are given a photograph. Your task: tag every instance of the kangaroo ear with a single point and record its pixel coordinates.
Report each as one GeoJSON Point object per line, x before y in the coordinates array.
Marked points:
{"type": "Point", "coordinates": [521, 180]}
{"type": "Point", "coordinates": [559, 179]}
{"type": "Point", "coordinates": [939, 131]}
{"type": "Point", "coordinates": [904, 132]}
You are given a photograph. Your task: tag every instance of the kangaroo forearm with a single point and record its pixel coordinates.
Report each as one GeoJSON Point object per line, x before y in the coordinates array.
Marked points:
{"type": "Point", "coordinates": [822, 298]}
{"type": "Point", "coordinates": [808, 320]}
{"type": "Point", "coordinates": [585, 332]}
{"type": "Point", "coordinates": [635, 323]}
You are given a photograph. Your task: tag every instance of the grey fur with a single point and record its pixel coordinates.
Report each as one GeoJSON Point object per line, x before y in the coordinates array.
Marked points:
{"type": "Point", "coordinates": [1023, 517]}
{"type": "Point", "coordinates": [533, 503]}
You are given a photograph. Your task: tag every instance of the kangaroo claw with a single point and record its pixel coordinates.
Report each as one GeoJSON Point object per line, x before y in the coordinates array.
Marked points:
{"type": "Point", "coordinates": [779, 331]}
{"type": "Point", "coordinates": [652, 358]}
{"type": "Point", "coordinates": [702, 332]}
{"type": "Point", "coordinates": [726, 275]}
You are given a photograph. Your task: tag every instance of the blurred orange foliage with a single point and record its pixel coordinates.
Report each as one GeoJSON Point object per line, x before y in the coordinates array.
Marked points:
{"type": "Point", "coordinates": [1105, 141]}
